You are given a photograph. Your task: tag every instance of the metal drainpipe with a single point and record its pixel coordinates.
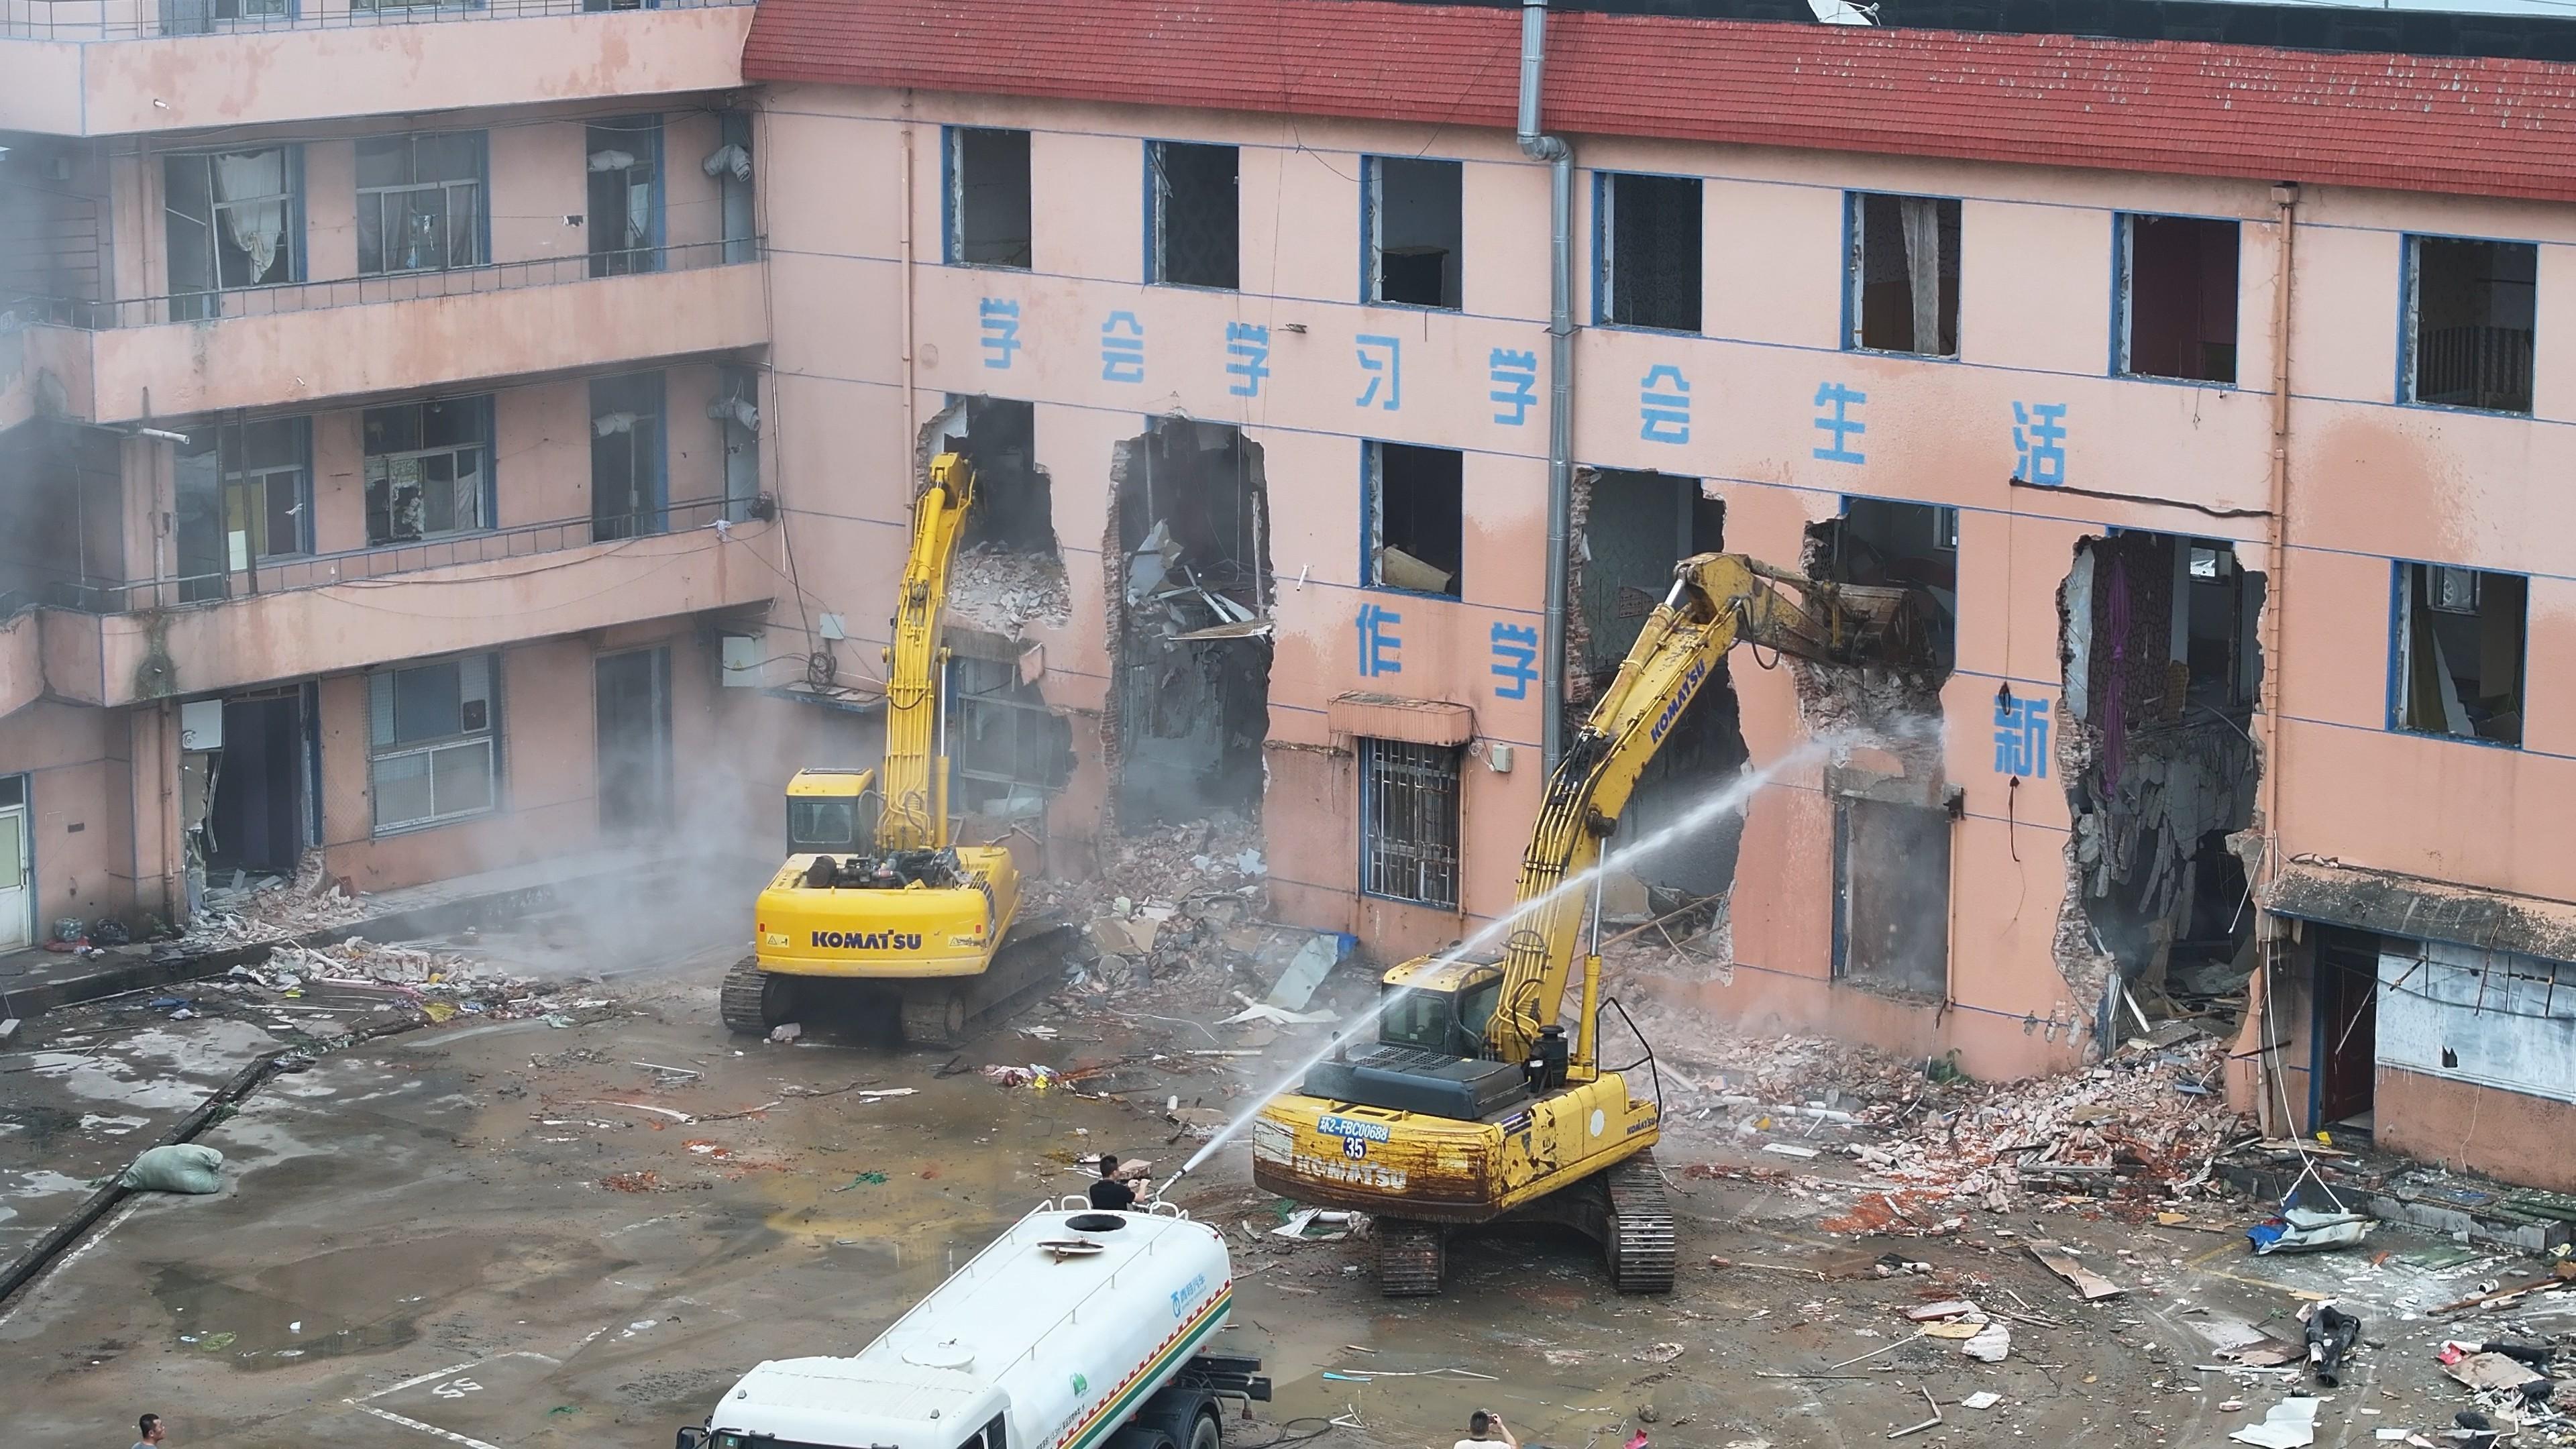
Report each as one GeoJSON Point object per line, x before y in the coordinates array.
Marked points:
{"type": "Point", "coordinates": [2285, 201]}
{"type": "Point", "coordinates": [1554, 150]}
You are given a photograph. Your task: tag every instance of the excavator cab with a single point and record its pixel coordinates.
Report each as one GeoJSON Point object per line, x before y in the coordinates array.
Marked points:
{"type": "Point", "coordinates": [1430, 1055]}
{"type": "Point", "coordinates": [832, 811]}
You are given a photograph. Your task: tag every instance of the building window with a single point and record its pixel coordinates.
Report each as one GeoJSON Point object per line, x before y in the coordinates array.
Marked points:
{"type": "Point", "coordinates": [233, 219]}
{"type": "Point", "coordinates": [433, 735]}
{"type": "Point", "coordinates": [1648, 235]}
{"type": "Point", "coordinates": [625, 217]}
{"type": "Point", "coordinates": [731, 164]}
{"type": "Point", "coordinates": [1416, 230]}
{"type": "Point", "coordinates": [626, 455]}
{"type": "Point", "coordinates": [988, 198]}
{"type": "Point", "coordinates": [2460, 652]}
{"type": "Point", "coordinates": [1195, 236]}
{"type": "Point", "coordinates": [2178, 298]}
{"type": "Point", "coordinates": [2469, 312]}
{"type": "Point", "coordinates": [1409, 821]}
{"type": "Point", "coordinates": [242, 491]}
{"type": "Point", "coordinates": [736, 411]}
{"type": "Point", "coordinates": [429, 469]}
{"type": "Point", "coordinates": [1904, 274]}
{"type": "Point", "coordinates": [1416, 517]}
{"type": "Point", "coordinates": [420, 202]}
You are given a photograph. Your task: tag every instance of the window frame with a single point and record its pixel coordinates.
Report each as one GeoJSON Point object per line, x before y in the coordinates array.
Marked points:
{"type": "Point", "coordinates": [1373, 233]}
{"type": "Point", "coordinates": [1856, 275]}
{"type": "Point", "coordinates": [1158, 215]}
{"type": "Point", "coordinates": [488, 738]}
{"type": "Point", "coordinates": [478, 204]}
{"type": "Point", "coordinates": [1605, 281]}
{"type": "Point", "coordinates": [645, 133]}
{"type": "Point", "coordinates": [2410, 323]}
{"type": "Point", "coordinates": [2124, 282]}
{"type": "Point", "coordinates": [291, 239]}
{"type": "Point", "coordinates": [1374, 774]}
{"type": "Point", "coordinates": [1373, 520]}
{"type": "Point", "coordinates": [486, 493]}
{"type": "Point", "coordinates": [952, 194]}
{"type": "Point", "coordinates": [2401, 638]}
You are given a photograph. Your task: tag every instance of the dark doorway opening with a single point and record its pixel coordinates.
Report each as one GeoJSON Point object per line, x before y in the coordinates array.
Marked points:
{"type": "Point", "coordinates": [255, 821]}
{"type": "Point", "coordinates": [2345, 1054]}
{"type": "Point", "coordinates": [1189, 624]}
{"type": "Point", "coordinates": [633, 703]}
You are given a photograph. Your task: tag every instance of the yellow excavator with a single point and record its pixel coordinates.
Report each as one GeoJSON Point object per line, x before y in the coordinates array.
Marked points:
{"type": "Point", "coordinates": [1472, 1106]}
{"type": "Point", "coordinates": [875, 890]}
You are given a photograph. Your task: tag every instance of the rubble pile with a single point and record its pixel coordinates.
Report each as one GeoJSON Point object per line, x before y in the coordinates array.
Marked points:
{"type": "Point", "coordinates": [1177, 906]}
{"type": "Point", "coordinates": [1004, 590]}
{"type": "Point", "coordinates": [272, 909]}
{"type": "Point", "coordinates": [443, 983]}
{"type": "Point", "coordinates": [2147, 1118]}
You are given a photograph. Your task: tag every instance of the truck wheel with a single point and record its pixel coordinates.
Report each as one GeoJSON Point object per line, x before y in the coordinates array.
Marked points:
{"type": "Point", "coordinates": [1184, 1418]}
{"type": "Point", "coordinates": [1141, 1436]}
{"type": "Point", "coordinates": [1205, 1434]}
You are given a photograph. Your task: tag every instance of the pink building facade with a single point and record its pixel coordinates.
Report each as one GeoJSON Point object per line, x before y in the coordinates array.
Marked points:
{"type": "Point", "coordinates": [2215, 453]}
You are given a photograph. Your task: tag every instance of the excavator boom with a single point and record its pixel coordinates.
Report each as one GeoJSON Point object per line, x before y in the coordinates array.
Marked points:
{"type": "Point", "coordinates": [916, 763]}
{"type": "Point", "coordinates": [1716, 600]}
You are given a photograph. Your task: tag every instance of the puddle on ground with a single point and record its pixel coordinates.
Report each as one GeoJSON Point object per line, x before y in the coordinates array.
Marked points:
{"type": "Point", "coordinates": [330, 1305]}
{"type": "Point", "coordinates": [258, 1331]}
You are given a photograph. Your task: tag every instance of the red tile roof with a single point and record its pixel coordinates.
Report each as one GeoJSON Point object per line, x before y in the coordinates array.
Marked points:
{"type": "Point", "coordinates": [2463, 126]}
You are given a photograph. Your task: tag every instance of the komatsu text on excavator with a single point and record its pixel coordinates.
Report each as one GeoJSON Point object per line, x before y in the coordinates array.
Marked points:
{"type": "Point", "coordinates": [1472, 1105]}
{"type": "Point", "coordinates": [875, 889]}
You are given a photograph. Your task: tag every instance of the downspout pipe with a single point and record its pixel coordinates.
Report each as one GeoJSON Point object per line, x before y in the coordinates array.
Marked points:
{"type": "Point", "coordinates": [1537, 145]}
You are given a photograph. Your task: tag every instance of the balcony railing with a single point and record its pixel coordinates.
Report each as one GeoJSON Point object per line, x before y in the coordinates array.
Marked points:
{"type": "Point", "coordinates": [2475, 367]}
{"type": "Point", "coordinates": [148, 19]}
{"type": "Point", "coordinates": [279, 575]}
{"type": "Point", "coordinates": [385, 287]}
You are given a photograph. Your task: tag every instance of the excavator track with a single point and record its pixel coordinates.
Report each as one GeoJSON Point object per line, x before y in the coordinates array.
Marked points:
{"type": "Point", "coordinates": [752, 1000]}
{"type": "Point", "coordinates": [1410, 1257]}
{"type": "Point", "coordinates": [943, 1014]}
{"type": "Point", "coordinates": [1638, 1242]}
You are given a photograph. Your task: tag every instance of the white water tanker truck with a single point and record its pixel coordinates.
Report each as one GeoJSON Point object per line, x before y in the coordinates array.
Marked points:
{"type": "Point", "coordinates": [1074, 1330]}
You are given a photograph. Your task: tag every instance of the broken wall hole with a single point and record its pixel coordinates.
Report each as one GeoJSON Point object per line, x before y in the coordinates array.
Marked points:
{"type": "Point", "coordinates": [1008, 571]}
{"type": "Point", "coordinates": [2163, 667]}
{"type": "Point", "coordinates": [1189, 624]}
{"type": "Point", "coordinates": [1627, 531]}
{"type": "Point", "coordinates": [1882, 543]}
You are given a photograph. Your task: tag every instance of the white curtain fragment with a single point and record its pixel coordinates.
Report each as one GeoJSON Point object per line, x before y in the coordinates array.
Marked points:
{"type": "Point", "coordinates": [252, 186]}
{"type": "Point", "coordinates": [1921, 216]}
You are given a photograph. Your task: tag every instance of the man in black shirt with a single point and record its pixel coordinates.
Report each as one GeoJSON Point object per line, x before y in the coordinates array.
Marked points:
{"type": "Point", "coordinates": [1110, 1194]}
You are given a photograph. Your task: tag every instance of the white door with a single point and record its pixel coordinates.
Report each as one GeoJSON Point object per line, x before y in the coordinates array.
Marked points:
{"type": "Point", "coordinates": [16, 884]}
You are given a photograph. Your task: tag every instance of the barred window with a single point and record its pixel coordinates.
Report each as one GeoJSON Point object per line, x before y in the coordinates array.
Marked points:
{"type": "Point", "coordinates": [1409, 821]}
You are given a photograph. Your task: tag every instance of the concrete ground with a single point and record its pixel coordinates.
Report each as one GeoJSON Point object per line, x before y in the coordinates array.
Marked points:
{"type": "Point", "coordinates": [519, 1234]}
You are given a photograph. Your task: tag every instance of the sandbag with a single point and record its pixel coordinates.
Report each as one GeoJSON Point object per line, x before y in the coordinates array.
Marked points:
{"type": "Point", "coordinates": [185, 1167]}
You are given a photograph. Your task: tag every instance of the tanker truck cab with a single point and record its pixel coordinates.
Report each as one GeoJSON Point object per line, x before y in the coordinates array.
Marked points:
{"type": "Point", "coordinates": [1073, 1330]}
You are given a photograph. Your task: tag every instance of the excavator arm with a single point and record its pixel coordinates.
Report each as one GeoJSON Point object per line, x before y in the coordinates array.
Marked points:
{"type": "Point", "coordinates": [1716, 600]}
{"type": "Point", "coordinates": [916, 761]}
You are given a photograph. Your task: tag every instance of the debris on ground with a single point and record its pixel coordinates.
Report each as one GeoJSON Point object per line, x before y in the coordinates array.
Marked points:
{"type": "Point", "coordinates": [2290, 1424]}
{"type": "Point", "coordinates": [270, 908]}
{"type": "Point", "coordinates": [2305, 1230]}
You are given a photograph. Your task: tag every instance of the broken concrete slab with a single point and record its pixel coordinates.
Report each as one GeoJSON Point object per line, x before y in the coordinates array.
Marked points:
{"type": "Point", "coordinates": [2082, 1279]}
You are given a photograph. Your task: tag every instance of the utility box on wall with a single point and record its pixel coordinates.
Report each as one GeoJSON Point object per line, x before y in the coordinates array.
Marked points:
{"type": "Point", "coordinates": [201, 724]}
{"type": "Point", "coordinates": [741, 661]}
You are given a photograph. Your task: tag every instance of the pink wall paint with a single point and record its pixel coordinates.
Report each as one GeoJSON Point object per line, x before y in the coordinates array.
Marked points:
{"type": "Point", "coordinates": [2036, 326]}
{"type": "Point", "coordinates": [129, 86]}
{"type": "Point", "coordinates": [75, 761]}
